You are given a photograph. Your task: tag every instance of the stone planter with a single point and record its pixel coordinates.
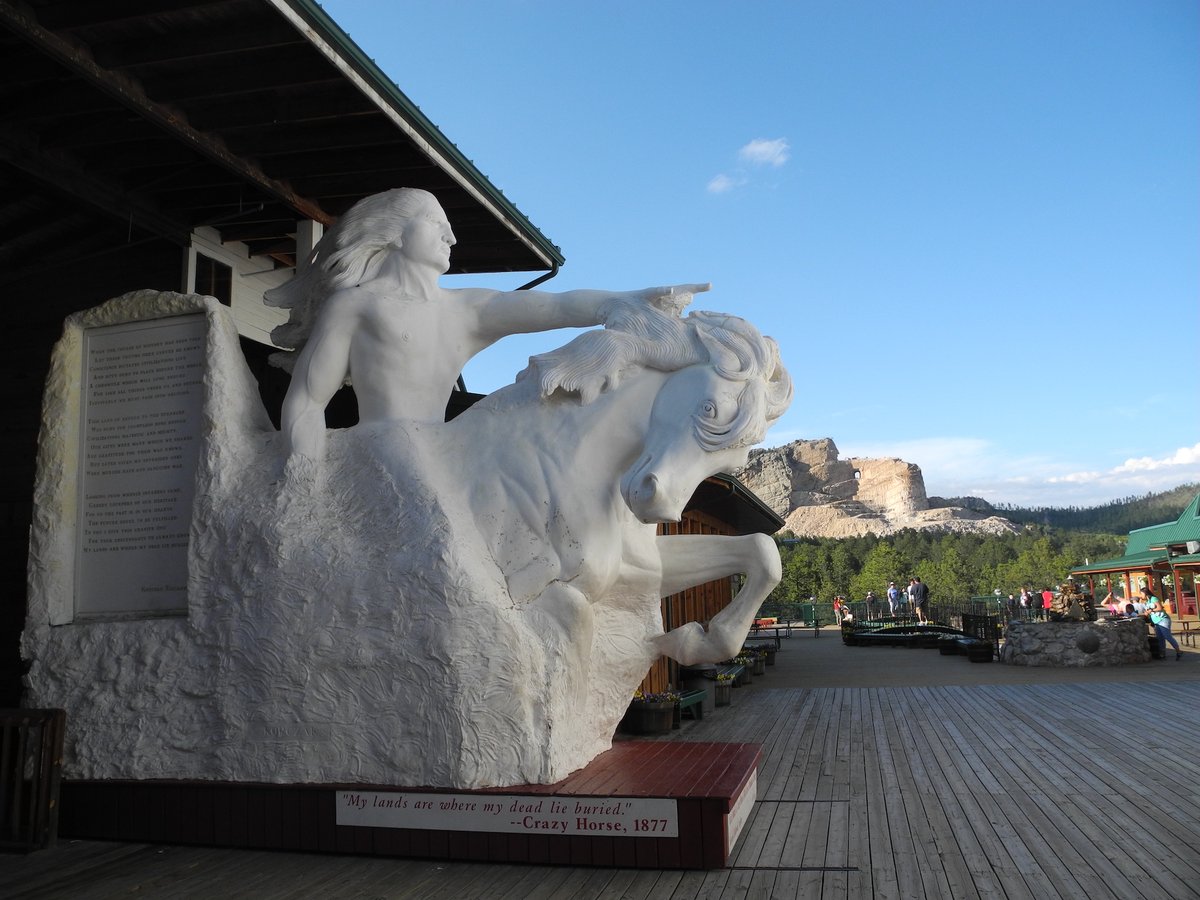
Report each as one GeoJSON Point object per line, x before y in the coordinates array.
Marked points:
{"type": "Point", "coordinates": [1115, 642]}
{"type": "Point", "coordinates": [760, 665]}
{"type": "Point", "coordinates": [723, 692]}
{"type": "Point", "coordinates": [649, 718]}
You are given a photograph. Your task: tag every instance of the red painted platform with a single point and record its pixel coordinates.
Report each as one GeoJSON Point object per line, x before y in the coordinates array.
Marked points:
{"type": "Point", "coordinates": [711, 785]}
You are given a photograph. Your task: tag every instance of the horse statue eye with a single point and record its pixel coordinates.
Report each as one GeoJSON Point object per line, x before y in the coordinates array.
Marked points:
{"type": "Point", "coordinates": [709, 410]}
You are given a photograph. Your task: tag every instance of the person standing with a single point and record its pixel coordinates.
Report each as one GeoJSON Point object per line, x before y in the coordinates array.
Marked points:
{"type": "Point", "coordinates": [920, 595]}
{"type": "Point", "coordinates": [893, 596]}
{"type": "Point", "coordinates": [1161, 620]}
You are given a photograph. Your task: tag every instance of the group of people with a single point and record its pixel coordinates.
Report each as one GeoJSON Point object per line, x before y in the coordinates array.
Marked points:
{"type": "Point", "coordinates": [1145, 605]}
{"type": "Point", "coordinates": [914, 599]}
{"type": "Point", "coordinates": [1031, 603]}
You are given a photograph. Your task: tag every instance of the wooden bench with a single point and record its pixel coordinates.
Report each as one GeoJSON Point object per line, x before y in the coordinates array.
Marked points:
{"type": "Point", "coordinates": [772, 632]}
{"type": "Point", "coordinates": [974, 649]}
{"type": "Point", "coordinates": [693, 702]}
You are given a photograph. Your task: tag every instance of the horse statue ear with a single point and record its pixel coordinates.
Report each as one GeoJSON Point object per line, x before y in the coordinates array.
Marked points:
{"type": "Point", "coordinates": [779, 383]}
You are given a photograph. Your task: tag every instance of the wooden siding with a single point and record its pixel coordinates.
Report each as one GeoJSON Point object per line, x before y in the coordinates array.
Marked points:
{"type": "Point", "coordinates": [696, 604]}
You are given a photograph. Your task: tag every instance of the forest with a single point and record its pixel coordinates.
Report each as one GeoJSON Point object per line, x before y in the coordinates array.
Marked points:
{"type": "Point", "coordinates": [1116, 517]}
{"type": "Point", "coordinates": [960, 566]}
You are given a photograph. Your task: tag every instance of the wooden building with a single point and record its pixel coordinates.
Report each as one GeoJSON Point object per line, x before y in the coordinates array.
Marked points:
{"type": "Point", "coordinates": [196, 145]}
{"type": "Point", "coordinates": [1166, 558]}
{"type": "Point", "coordinates": [720, 505]}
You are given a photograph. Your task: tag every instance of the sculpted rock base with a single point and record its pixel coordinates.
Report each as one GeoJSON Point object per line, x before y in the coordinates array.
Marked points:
{"type": "Point", "coordinates": [341, 633]}
{"type": "Point", "coordinates": [428, 607]}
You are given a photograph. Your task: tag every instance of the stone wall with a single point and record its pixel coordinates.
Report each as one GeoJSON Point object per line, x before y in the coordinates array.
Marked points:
{"type": "Point", "coordinates": [1117, 642]}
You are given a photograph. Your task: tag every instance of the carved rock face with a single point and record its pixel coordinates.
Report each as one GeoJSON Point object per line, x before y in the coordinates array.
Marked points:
{"type": "Point", "coordinates": [820, 495]}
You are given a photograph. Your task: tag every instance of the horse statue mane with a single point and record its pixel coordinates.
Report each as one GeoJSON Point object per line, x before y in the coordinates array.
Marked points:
{"type": "Point", "coordinates": [596, 361]}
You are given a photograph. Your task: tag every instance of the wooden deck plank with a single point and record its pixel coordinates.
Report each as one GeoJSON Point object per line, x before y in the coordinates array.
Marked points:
{"type": "Point", "coordinates": [946, 864]}
{"type": "Point", "coordinates": [977, 846]}
{"type": "Point", "coordinates": [1005, 772]}
{"type": "Point", "coordinates": [873, 815]}
{"type": "Point", "coordinates": [892, 866]}
{"type": "Point", "coordinates": [994, 790]}
{"type": "Point", "coordinates": [859, 881]}
{"type": "Point", "coordinates": [1115, 785]}
{"type": "Point", "coordinates": [1104, 818]}
{"type": "Point", "coordinates": [978, 791]}
{"type": "Point", "coordinates": [781, 824]}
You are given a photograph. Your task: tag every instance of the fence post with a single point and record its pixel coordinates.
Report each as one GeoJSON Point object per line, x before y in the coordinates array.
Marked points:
{"type": "Point", "coordinates": [31, 746]}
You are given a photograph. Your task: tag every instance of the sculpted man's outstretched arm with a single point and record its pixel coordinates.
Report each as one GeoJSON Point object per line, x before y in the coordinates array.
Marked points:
{"type": "Point", "coordinates": [517, 312]}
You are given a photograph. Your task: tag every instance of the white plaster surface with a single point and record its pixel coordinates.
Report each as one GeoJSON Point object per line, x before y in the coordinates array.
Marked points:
{"type": "Point", "coordinates": [466, 604]}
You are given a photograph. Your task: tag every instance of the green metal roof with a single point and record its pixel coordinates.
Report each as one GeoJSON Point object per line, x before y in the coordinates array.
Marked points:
{"type": "Point", "coordinates": [1144, 560]}
{"type": "Point", "coordinates": [1185, 528]}
{"type": "Point", "coordinates": [1146, 547]}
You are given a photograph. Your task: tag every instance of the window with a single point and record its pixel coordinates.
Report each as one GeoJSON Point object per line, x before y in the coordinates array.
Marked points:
{"type": "Point", "coordinates": [214, 279]}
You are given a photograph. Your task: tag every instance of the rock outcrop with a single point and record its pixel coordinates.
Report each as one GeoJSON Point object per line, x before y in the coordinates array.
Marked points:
{"type": "Point", "coordinates": [820, 495]}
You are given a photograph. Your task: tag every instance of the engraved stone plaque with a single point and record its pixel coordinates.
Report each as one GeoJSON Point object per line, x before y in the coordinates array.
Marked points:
{"type": "Point", "coordinates": [140, 419]}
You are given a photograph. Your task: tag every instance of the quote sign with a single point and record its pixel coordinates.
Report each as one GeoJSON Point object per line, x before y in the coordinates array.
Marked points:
{"type": "Point", "coordinates": [142, 394]}
{"type": "Point", "coordinates": [514, 814]}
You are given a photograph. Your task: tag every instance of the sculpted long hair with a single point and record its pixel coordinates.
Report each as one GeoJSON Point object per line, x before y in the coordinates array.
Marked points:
{"type": "Point", "coordinates": [351, 252]}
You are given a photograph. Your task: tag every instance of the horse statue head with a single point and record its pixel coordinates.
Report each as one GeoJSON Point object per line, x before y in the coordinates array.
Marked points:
{"type": "Point", "coordinates": [724, 386]}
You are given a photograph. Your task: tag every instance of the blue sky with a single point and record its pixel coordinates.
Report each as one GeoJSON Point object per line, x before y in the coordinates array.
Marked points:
{"type": "Point", "coordinates": [973, 227]}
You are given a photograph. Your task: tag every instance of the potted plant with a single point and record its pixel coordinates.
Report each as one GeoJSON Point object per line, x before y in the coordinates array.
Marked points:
{"type": "Point", "coordinates": [723, 689]}
{"type": "Point", "coordinates": [759, 658]}
{"type": "Point", "coordinates": [650, 713]}
{"type": "Point", "coordinates": [747, 665]}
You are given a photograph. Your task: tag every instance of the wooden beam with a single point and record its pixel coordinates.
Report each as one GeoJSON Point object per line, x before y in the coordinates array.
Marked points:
{"type": "Point", "coordinates": [195, 45]}
{"type": "Point", "coordinates": [22, 152]}
{"type": "Point", "coordinates": [129, 92]}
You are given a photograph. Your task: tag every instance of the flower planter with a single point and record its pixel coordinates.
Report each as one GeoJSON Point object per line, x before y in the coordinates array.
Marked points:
{"type": "Point", "coordinates": [649, 718]}
{"type": "Point", "coordinates": [723, 692]}
{"type": "Point", "coordinates": [760, 665]}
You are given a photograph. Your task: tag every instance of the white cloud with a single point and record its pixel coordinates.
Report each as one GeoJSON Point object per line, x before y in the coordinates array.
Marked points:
{"type": "Point", "coordinates": [759, 152]}
{"type": "Point", "coordinates": [762, 152]}
{"type": "Point", "coordinates": [720, 184]}
{"type": "Point", "coordinates": [1184, 456]}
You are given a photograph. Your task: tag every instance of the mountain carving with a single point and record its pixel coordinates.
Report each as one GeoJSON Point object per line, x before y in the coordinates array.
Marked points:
{"type": "Point", "coordinates": [820, 495]}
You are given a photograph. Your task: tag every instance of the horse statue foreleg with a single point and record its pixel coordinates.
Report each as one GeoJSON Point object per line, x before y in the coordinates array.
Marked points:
{"type": "Point", "coordinates": [691, 559]}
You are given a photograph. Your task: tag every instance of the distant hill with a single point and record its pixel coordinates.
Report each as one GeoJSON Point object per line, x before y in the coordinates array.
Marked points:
{"type": "Point", "coordinates": [817, 494]}
{"type": "Point", "coordinates": [1116, 517]}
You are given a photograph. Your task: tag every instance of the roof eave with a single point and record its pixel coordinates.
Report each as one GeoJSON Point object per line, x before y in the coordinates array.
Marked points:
{"type": "Point", "coordinates": [328, 37]}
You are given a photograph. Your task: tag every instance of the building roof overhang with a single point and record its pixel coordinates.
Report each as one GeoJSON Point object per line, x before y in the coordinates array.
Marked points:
{"type": "Point", "coordinates": [726, 498]}
{"type": "Point", "coordinates": [144, 119]}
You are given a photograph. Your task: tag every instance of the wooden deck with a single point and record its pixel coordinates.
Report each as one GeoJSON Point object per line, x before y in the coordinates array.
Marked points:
{"type": "Point", "coordinates": [1073, 790]}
